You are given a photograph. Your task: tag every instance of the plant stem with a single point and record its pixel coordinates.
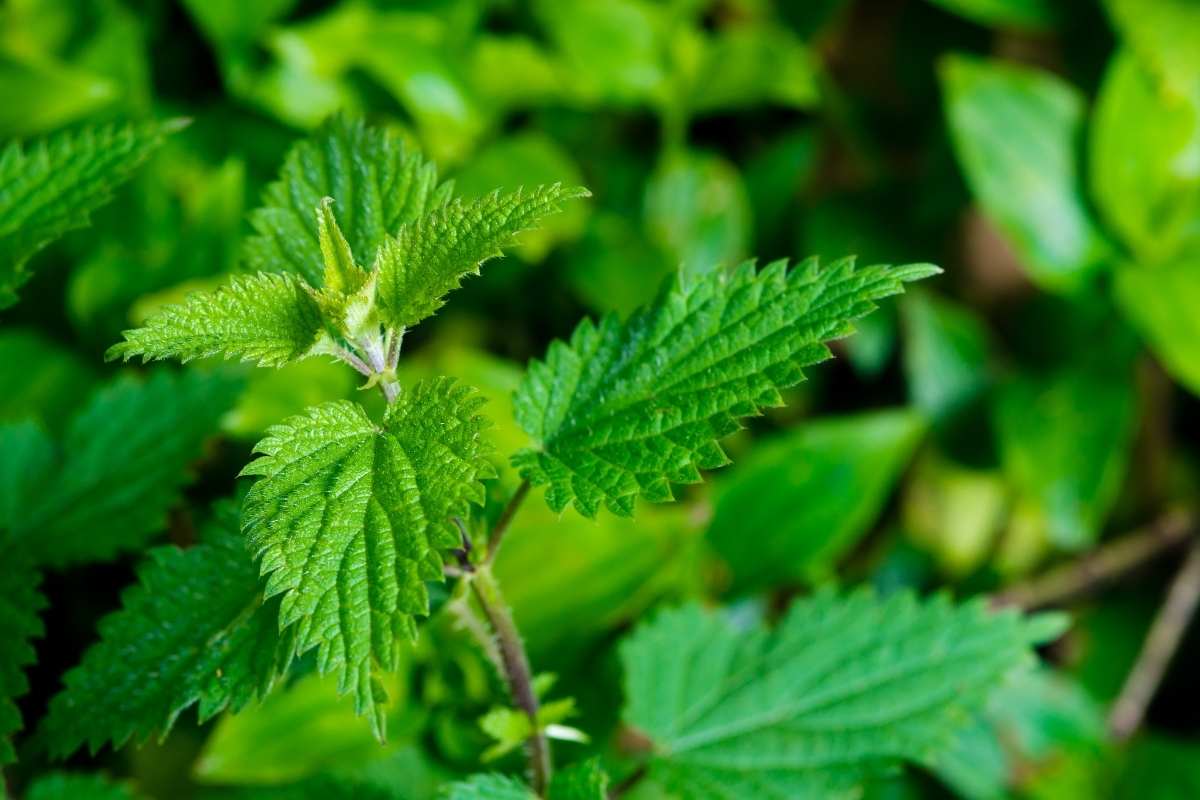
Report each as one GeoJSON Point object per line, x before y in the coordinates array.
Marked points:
{"type": "Point", "coordinates": [506, 518]}
{"type": "Point", "coordinates": [516, 671]}
{"type": "Point", "coordinates": [360, 366]}
{"type": "Point", "coordinates": [395, 339]}
{"type": "Point", "coordinates": [373, 348]}
{"type": "Point", "coordinates": [1159, 648]}
{"type": "Point", "coordinates": [1101, 566]}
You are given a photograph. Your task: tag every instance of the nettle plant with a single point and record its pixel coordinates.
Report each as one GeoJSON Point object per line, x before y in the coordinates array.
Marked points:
{"type": "Point", "coordinates": [350, 518]}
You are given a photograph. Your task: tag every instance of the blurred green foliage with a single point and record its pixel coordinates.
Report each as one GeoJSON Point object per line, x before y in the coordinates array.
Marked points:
{"type": "Point", "coordinates": [1027, 408]}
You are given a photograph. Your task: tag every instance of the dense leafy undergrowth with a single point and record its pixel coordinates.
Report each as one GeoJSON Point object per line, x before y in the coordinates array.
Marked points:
{"type": "Point", "coordinates": [351, 447]}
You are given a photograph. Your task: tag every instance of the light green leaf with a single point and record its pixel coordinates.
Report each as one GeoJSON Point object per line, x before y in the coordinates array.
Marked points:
{"type": "Point", "coordinates": [627, 408]}
{"type": "Point", "coordinates": [605, 573]}
{"type": "Point", "coordinates": [53, 185]}
{"type": "Point", "coordinates": [269, 319]}
{"type": "Point", "coordinates": [193, 630]}
{"type": "Point", "coordinates": [698, 212]}
{"type": "Point", "coordinates": [376, 182]}
{"type": "Point", "coordinates": [1145, 159]}
{"type": "Point", "coordinates": [809, 495]}
{"type": "Point", "coordinates": [488, 787]}
{"type": "Point", "coordinates": [78, 786]}
{"type": "Point", "coordinates": [272, 394]}
{"type": "Point", "coordinates": [1034, 15]}
{"type": "Point", "coordinates": [1161, 303]}
{"type": "Point", "coordinates": [230, 24]}
{"type": "Point", "coordinates": [42, 93]}
{"type": "Point", "coordinates": [350, 519]}
{"type": "Point", "coordinates": [1064, 445]}
{"type": "Point", "coordinates": [514, 71]}
{"type": "Point", "coordinates": [429, 257]}
{"type": "Point", "coordinates": [945, 355]}
{"type": "Point", "coordinates": [1016, 131]}
{"type": "Point", "coordinates": [273, 742]}
{"type": "Point", "coordinates": [20, 604]}
{"type": "Point", "coordinates": [747, 65]}
{"type": "Point", "coordinates": [843, 688]}
{"type": "Point", "coordinates": [124, 459]}
{"type": "Point", "coordinates": [1163, 35]}
{"type": "Point", "coordinates": [612, 49]}
{"type": "Point", "coordinates": [955, 512]}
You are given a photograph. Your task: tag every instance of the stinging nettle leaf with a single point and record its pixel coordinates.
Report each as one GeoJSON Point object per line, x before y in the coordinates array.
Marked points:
{"type": "Point", "coordinates": [627, 408]}
{"type": "Point", "coordinates": [125, 456]}
{"type": "Point", "coordinates": [430, 256]}
{"type": "Point", "coordinates": [193, 630]}
{"type": "Point", "coordinates": [1016, 132]}
{"type": "Point", "coordinates": [376, 182]}
{"type": "Point", "coordinates": [20, 604]}
{"type": "Point", "coordinates": [843, 688]}
{"type": "Point", "coordinates": [350, 519]}
{"type": "Point", "coordinates": [52, 186]}
{"type": "Point", "coordinates": [269, 319]}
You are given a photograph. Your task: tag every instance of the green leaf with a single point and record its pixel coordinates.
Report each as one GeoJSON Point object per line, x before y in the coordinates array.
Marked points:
{"type": "Point", "coordinates": [747, 65]}
{"type": "Point", "coordinates": [612, 49]}
{"type": "Point", "coordinates": [42, 93]}
{"type": "Point", "coordinates": [842, 689]}
{"type": "Point", "coordinates": [627, 408]}
{"type": "Point", "coordinates": [429, 257]}
{"type": "Point", "coordinates": [954, 512]}
{"type": "Point", "coordinates": [945, 355]}
{"type": "Point", "coordinates": [20, 604]}
{"type": "Point", "coordinates": [269, 319]}
{"type": "Point", "coordinates": [26, 457]}
{"type": "Point", "coordinates": [1163, 35]}
{"type": "Point", "coordinates": [349, 520]}
{"type": "Point", "coordinates": [1016, 131]}
{"type": "Point", "coordinates": [1064, 445]}
{"type": "Point", "coordinates": [1034, 718]}
{"type": "Point", "coordinates": [1034, 15]}
{"type": "Point", "coordinates": [122, 463]}
{"type": "Point", "coordinates": [77, 786]}
{"type": "Point", "coordinates": [698, 212]}
{"type": "Point", "coordinates": [1145, 175]}
{"type": "Point", "coordinates": [376, 182]}
{"type": "Point", "coordinates": [52, 186]}
{"type": "Point", "coordinates": [582, 781]}
{"type": "Point", "coordinates": [809, 495]}
{"type": "Point", "coordinates": [488, 787]}
{"type": "Point", "coordinates": [193, 630]}
{"type": "Point", "coordinates": [1161, 303]}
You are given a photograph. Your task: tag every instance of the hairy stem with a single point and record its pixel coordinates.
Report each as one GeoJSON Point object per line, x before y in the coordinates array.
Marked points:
{"type": "Point", "coordinates": [1101, 566]}
{"type": "Point", "coordinates": [395, 339]}
{"type": "Point", "coordinates": [360, 366]}
{"type": "Point", "coordinates": [516, 671]}
{"type": "Point", "coordinates": [506, 518]}
{"type": "Point", "coordinates": [1159, 648]}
